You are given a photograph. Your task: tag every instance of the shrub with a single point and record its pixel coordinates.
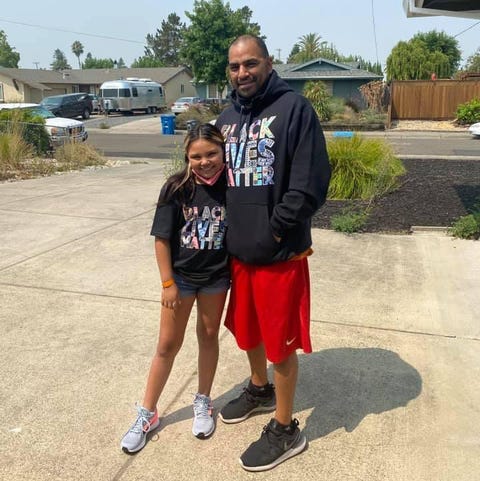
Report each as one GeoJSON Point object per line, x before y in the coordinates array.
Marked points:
{"type": "Point", "coordinates": [29, 126]}
{"type": "Point", "coordinates": [466, 227]}
{"type": "Point", "coordinates": [317, 93]}
{"type": "Point", "coordinates": [177, 161]}
{"type": "Point", "coordinates": [349, 220]}
{"type": "Point", "coordinates": [469, 112]}
{"type": "Point", "coordinates": [200, 113]}
{"type": "Point", "coordinates": [362, 168]}
{"type": "Point", "coordinates": [372, 116]}
{"type": "Point", "coordinates": [77, 156]}
{"type": "Point", "coordinates": [13, 151]}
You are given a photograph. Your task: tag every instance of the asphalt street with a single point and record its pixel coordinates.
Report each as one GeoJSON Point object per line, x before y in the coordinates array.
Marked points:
{"type": "Point", "coordinates": [140, 136]}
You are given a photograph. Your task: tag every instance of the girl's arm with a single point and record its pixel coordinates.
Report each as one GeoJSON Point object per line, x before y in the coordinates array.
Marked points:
{"type": "Point", "coordinates": [170, 295]}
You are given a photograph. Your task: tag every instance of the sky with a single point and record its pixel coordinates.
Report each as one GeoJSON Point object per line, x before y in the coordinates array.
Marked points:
{"type": "Point", "coordinates": [368, 28]}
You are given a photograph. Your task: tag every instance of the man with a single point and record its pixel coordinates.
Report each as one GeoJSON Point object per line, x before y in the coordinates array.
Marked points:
{"type": "Point", "coordinates": [278, 174]}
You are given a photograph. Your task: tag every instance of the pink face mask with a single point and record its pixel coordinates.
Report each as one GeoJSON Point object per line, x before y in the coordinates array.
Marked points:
{"type": "Point", "coordinates": [209, 180]}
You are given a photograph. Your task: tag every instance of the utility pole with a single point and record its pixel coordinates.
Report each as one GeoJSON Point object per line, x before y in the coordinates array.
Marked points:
{"type": "Point", "coordinates": [279, 50]}
{"type": "Point", "coordinates": [36, 64]}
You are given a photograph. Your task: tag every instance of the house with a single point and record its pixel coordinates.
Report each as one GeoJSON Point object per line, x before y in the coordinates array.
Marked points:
{"type": "Point", "coordinates": [341, 80]}
{"type": "Point", "coordinates": [32, 85]}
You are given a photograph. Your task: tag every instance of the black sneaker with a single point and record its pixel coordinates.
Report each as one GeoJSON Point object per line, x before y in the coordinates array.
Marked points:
{"type": "Point", "coordinates": [252, 400]}
{"type": "Point", "coordinates": [276, 444]}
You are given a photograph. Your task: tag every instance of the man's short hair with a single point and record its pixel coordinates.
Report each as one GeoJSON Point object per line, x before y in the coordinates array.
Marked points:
{"type": "Point", "coordinates": [259, 41]}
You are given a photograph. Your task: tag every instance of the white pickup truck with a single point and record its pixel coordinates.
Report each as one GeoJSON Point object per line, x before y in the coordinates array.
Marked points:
{"type": "Point", "coordinates": [61, 130]}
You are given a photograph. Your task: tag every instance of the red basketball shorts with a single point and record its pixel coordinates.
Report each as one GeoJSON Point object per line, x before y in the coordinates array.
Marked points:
{"type": "Point", "coordinates": [270, 305]}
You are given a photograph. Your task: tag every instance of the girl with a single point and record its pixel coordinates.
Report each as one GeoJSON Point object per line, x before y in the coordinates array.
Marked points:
{"type": "Point", "coordinates": [189, 228]}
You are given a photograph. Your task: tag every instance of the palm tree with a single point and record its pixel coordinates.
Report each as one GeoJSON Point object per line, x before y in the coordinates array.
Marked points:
{"type": "Point", "coordinates": [309, 47]}
{"type": "Point", "coordinates": [77, 49]}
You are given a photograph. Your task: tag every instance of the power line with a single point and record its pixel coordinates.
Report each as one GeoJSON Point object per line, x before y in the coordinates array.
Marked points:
{"type": "Point", "coordinates": [463, 31]}
{"type": "Point", "coordinates": [71, 31]}
{"type": "Point", "coordinates": [375, 33]}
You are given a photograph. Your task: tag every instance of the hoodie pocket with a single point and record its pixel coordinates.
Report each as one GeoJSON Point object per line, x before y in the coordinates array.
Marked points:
{"type": "Point", "coordinates": [250, 235]}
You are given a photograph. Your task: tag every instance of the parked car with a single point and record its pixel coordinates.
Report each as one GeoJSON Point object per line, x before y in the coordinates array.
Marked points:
{"type": "Point", "coordinates": [184, 103]}
{"type": "Point", "coordinates": [60, 130]}
{"type": "Point", "coordinates": [69, 105]}
{"type": "Point", "coordinates": [216, 101]}
{"type": "Point", "coordinates": [474, 129]}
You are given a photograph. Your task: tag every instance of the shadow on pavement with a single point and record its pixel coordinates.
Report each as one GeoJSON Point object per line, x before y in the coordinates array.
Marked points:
{"type": "Point", "coordinates": [345, 385]}
{"type": "Point", "coordinates": [342, 385]}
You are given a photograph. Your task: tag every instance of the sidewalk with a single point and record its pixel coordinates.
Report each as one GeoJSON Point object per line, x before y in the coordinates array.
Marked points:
{"type": "Point", "coordinates": [391, 392]}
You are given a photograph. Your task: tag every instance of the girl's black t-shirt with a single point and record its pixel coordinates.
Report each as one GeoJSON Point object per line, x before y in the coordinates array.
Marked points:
{"type": "Point", "coordinates": [196, 232]}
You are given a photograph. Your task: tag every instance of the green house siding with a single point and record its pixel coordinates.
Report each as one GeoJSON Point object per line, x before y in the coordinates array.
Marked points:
{"type": "Point", "coordinates": [348, 89]}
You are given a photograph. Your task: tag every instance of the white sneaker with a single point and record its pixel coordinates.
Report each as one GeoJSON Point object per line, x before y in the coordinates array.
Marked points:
{"type": "Point", "coordinates": [136, 437]}
{"type": "Point", "coordinates": [203, 423]}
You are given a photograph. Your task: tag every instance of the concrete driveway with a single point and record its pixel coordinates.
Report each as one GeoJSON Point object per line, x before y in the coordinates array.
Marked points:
{"type": "Point", "coordinates": [391, 392]}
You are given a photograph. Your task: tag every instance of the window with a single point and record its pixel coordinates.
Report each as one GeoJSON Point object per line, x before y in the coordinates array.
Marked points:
{"type": "Point", "coordinates": [1, 92]}
{"type": "Point", "coordinates": [134, 91]}
{"type": "Point", "coordinates": [182, 88]}
{"type": "Point", "coordinates": [124, 93]}
{"type": "Point", "coordinates": [109, 92]}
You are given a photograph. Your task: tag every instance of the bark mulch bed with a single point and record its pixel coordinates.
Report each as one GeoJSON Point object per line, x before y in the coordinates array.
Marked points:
{"type": "Point", "coordinates": [432, 193]}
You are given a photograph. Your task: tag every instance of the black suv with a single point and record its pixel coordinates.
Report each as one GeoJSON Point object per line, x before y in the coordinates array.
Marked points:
{"type": "Point", "coordinates": [69, 105]}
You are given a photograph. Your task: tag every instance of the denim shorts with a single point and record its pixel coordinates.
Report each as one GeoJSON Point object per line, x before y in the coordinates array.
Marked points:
{"type": "Point", "coordinates": [188, 288]}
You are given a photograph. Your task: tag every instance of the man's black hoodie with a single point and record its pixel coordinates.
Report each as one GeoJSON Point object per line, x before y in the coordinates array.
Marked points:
{"type": "Point", "coordinates": [277, 170]}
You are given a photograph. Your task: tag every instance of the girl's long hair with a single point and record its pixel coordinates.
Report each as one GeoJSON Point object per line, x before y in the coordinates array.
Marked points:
{"type": "Point", "coordinates": [180, 186]}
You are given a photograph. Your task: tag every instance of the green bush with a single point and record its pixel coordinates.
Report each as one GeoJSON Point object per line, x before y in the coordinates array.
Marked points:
{"type": "Point", "coordinates": [31, 128]}
{"type": "Point", "coordinates": [362, 168]}
{"type": "Point", "coordinates": [469, 112]}
{"type": "Point", "coordinates": [317, 93]}
{"type": "Point", "coordinates": [466, 227]}
{"type": "Point", "coordinates": [349, 220]}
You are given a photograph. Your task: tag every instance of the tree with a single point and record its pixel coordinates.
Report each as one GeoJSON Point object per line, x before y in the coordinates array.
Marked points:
{"type": "Point", "coordinates": [77, 49]}
{"type": "Point", "coordinates": [295, 50]}
{"type": "Point", "coordinates": [214, 25]}
{"type": "Point", "coordinates": [121, 63]}
{"type": "Point", "coordinates": [147, 62]}
{"type": "Point", "coordinates": [164, 46]}
{"type": "Point", "coordinates": [473, 62]}
{"type": "Point", "coordinates": [422, 55]}
{"type": "Point", "coordinates": [413, 61]}
{"type": "Point", "coordinates": [441, 42]}
{"type": "Point", "coordinates": [309, 47]}
{"type": "Point", "coordinates": [8, 57]}
{"type": "Point", "coordinates": [59, 61]}
{"type": "Point", "coordinates": [92, 62]}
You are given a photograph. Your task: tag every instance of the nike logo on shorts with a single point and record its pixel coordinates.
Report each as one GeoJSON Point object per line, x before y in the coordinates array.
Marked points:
{"type": "Point", "coordinates": [289, 341]}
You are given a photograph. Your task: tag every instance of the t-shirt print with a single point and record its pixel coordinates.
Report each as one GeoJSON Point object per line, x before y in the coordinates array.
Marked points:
{"type": "Point", "coordinates": [205, 229]}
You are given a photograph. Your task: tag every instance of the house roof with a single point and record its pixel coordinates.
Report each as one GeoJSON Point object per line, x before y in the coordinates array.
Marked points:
{"type": "Point", "coordinates": [322, 69]}
{"type": "Point", "coordinates": [38, 78]}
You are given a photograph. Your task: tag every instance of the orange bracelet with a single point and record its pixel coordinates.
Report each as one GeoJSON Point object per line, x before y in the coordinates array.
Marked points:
{"type": "Point", "coordinates": [168, 283]}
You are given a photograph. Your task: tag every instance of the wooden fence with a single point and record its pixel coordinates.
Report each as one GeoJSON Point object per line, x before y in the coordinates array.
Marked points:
{"type": "Point", "coordinates": [430, 99]}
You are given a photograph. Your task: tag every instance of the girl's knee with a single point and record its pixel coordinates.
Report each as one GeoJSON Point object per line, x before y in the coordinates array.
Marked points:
{"type": "Point", "coordinates": [167, 349]}
{"type": "Point", "coordinates": [208, 336]}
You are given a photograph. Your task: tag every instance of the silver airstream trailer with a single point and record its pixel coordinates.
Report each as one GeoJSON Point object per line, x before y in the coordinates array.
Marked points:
{"type": "Point", "coordinates": [132, 94]}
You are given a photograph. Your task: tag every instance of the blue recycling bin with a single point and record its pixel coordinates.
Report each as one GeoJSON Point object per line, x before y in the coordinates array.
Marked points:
{"type": "Point", "coordinates": [168, 124]}
{"type": "Point", "coordinates": [343, 133]}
